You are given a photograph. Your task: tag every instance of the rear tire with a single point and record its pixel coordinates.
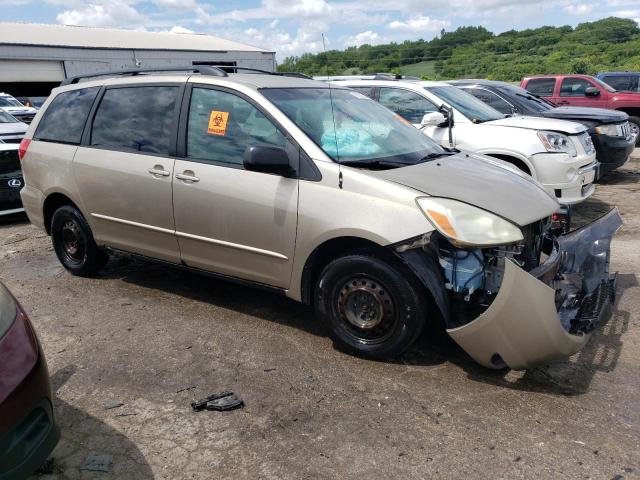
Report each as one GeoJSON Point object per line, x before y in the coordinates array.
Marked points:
{"type": "Point", "coordinates": [74, 244]}
{"type": "Point", "coordinates": [634, 122]}
{"type": "Point", "coordinates": [371, 307]}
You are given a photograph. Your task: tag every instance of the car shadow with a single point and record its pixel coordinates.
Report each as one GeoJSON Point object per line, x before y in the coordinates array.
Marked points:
{"type": "Point", "coordinates": [84, 435]}
{"type": "Point", "coordinates": [248, 300]}
{"type": "Point", "coordinates": [433, 347]}
{"type": "Point", "coordinates": [620, 177]}
{"type": "Point", "coordinates": [588, 211]}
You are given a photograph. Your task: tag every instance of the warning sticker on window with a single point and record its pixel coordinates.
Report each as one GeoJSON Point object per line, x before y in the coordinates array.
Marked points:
{"type": "Point", "coordinates": [218, 123]}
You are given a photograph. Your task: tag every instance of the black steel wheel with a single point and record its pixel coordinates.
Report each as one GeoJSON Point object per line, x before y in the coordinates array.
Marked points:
{"type": "Point", "coordinates": [373, 308]}
{"type": "Point", "coordinates": [74, 244]}
{"type": "Point", "coordinates": [634, 123]}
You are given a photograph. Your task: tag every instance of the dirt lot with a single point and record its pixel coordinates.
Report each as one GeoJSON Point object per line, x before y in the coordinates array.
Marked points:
{"type": "Point", "coordinates": [154, 338]}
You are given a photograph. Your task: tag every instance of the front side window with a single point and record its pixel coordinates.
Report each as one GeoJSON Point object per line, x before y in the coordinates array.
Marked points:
{"type": "Point", "coordinates": [622, 83]}
{"type": "Point", "coordinates": [63, 121]}
{"type": "Point", "coordinates": [364, 91]}
{"type": "Point", "coordinates": [222, 126]}
{"type": "Point", "coordinates": [466, 104]}
{"type": "Point", "coordinates": [574, 87]}
{"type": "Point", "coordinates": [138, 119]}
{"type": "Point", "coordinates": [491, 99]}
{"type": "Point", "coordinates": [353, 129]}
{"type": "Point", "coordinates": [409, 105]}
{"type": "Point", "coordinates": [542, 87]}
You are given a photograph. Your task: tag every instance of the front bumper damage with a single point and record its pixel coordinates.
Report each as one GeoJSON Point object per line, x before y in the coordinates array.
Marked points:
{"type": "Point", "coordinates": [548, 313]}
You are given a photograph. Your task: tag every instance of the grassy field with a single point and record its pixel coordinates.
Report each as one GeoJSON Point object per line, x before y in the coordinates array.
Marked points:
{"type": "Point", "coordinates": [420, 69]}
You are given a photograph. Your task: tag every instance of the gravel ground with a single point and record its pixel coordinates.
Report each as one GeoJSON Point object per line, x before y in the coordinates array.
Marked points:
{"type": "Point", "coordinates": [154, 338]}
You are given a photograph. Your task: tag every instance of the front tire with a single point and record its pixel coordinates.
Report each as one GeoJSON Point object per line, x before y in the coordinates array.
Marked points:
{"type": "Point", "coordinates": [372, 308]}
{"type": "Point", "coordinates": [634, 122]}
{"type": "Point", "coordinates": [74, 244]}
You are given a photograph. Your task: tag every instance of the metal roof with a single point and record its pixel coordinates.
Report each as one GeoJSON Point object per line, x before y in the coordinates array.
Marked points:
{"type": "Point", "coordinates": [110, 38]}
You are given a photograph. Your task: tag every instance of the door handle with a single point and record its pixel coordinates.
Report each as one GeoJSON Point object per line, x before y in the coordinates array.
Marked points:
{"type": "Point", "coordinates": [159, 171]}
{"type": "Point", "coordinates": [562, 102]}
{"type": "Point", "coordinates": [187, 176]}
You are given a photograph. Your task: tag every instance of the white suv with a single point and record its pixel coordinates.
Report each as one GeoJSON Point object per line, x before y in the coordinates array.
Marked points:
{"type": "Point", "coordinates": [14, 107]}
{"type": "Point", "coordinates": [557, 153]}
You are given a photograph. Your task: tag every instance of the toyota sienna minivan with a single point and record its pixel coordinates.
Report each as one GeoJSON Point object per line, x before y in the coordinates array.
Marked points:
{"type": "Point", "coordinates": [320, 194]}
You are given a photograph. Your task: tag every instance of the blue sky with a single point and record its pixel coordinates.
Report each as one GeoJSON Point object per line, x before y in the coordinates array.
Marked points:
{"type": "Point", "coordinates": [291, 27]}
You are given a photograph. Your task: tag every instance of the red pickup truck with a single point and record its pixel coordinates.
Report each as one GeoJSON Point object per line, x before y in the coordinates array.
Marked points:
{"type": "Point", "coordinates": [586, 91]}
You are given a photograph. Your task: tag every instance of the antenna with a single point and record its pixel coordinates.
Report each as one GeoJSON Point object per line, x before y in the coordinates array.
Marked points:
{"type": "Point", "coordinates": [333, 115]}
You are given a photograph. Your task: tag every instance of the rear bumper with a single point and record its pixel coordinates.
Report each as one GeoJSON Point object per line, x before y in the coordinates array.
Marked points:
{"type": "Point", "coordinates": [612, 152]}
{"type": "Point", "coordinates": [547, 314]}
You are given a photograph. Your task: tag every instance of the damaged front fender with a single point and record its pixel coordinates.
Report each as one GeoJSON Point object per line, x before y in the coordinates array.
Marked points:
{"type": "Point", "coordinates": [547, 314]}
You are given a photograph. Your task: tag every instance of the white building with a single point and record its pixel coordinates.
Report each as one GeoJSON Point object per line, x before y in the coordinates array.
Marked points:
{"type": "Point", "coordinates": [35, 58]}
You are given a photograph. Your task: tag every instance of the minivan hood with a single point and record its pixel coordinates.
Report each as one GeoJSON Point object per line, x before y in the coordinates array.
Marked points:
{"type": "Point", "coordinates": [598, 115]}
{"type": "Point", "coordinates": [479, 181]}
{"type": "Point", "coordinates": [20, 110]}
{"type": "Point", "coordinates": [539, 123]}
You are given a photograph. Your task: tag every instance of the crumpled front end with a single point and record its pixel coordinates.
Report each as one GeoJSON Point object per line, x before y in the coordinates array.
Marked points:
{"type": "Point", "coordinates": [528, 305]}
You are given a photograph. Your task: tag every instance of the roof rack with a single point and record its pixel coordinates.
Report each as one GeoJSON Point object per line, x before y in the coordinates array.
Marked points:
{"type": "Point", "coordinates": [210, 70]}
{"type": "Point", "coordinates": [202, 69]}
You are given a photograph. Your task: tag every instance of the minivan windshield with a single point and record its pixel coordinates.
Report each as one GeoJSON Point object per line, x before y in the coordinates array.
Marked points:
{"type": "Point", "coordinates": [353, 129]}
{"type": "Point", "coordinates": [475, 110]}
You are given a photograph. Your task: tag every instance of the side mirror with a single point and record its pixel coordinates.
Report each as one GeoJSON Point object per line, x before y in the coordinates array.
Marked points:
{"type": "Point", "coordinates": [591, 92]}
{"type": "Point", "coordinates": [433, 119]}
{"type": "Point", "coordinates": [267, 159]}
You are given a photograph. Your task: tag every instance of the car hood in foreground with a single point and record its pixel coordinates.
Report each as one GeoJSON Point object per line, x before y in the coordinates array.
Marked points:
{"type": "Point", "coordinates": [13, 127]}
{"type": "Point", "coordinates": [479, 181]}
{"type": "Point", "coordinates": [539, 123]}
{"type": "Point", "coordinates": [598, 115]}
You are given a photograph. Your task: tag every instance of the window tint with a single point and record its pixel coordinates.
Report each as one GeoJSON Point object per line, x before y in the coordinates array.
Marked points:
{"type": "Point", "coordinates": [621, 83]}
{"type": "Point", "coordinates": [409, 105]}
{"type": "Point", "coordinates": [363, 90]}
{"type": "Point", "coordinates": [222, 126]}
{"type": "Point", "coordinates": [491, 99]}
{"type": "Point", "coordinates": [64, 119]}
{"type": "Point", "coordinates": [543, 87]}
{"type": "Point", "coordinates": [574, 87]}
{"type": "Point", "coordinates": [136, 118]}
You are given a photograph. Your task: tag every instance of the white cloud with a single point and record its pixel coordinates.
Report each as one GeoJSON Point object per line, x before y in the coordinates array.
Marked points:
{"type": "Point", "coordinates": [363, 38]}
{"type": "Point", "coordinates": [110, 14]}
{"type": "Point", "coordinates": [632, 14]}
{"type": "Point", "coordinates": [419, 24]}
{"type": "Point", "coordinates": [578, 9]}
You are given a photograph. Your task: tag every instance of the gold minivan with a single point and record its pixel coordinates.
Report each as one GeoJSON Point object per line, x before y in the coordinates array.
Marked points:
{"type": "Point", "coordinates": [323, 195]}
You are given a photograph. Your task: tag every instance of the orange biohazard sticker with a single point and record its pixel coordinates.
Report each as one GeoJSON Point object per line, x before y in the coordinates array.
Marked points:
{"type": "Point", "coordinates": [402, 119]}
{"type": "Point", "coordinates": [218, 123]}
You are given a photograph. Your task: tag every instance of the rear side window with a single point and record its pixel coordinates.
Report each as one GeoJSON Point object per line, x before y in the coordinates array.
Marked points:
{"type": "Point", "coordinates": [409, 105]}
{"type": "Point", "coordinates": [138, 119]}
{"type": "Point", "coordinates": [543, 87]}
{"type": "Point", "coordinates": [64, 119]}
{"type": "Point", "coordinates": [363, 90]}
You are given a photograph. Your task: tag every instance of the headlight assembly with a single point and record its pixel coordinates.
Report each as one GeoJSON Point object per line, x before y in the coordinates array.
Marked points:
{"type": "Point", "coordinates": [465, 225]}
{"type": "Point", "coordinates": [557, 142]}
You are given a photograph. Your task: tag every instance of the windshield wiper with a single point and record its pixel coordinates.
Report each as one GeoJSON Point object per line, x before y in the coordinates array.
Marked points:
{"type": "Point", "coordinates": [433, 155]}
{"type": "Point", "coordinates": [374, 163]}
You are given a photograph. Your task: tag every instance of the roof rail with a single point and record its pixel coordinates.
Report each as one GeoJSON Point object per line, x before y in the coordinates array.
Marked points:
{"type": "Point", "coordinates": [266, 72]}
{"type": "Point", "coordinates": [201, 69]}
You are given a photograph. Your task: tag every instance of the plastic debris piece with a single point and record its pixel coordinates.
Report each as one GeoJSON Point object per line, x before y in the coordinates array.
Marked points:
{"type": "Point", "coordinates": [226, 400]}
{"type": "Point", "coordinates": [97, 463]}
{"type": "Point", "coordinates": [112, 405]}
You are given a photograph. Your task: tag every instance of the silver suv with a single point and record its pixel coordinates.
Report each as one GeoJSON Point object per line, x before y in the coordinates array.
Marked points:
{"type": "Point", "coordinates": [323, 195]}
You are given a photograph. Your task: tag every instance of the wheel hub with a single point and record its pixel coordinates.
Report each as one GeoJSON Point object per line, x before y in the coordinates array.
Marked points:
{"type": "Point", "coordinates": [71, 239]}
{"type": "Point", "coordinates": [364, 304]}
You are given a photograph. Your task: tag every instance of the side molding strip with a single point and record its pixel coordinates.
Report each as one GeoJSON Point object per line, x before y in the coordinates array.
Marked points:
{"type": "Point", "coordinates": [190, 236]}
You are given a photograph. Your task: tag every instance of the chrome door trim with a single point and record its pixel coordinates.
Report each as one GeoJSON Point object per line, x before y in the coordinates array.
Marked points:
{"type": "Point", "coordinates": [237, 246]}
{"type": "Point", "coordinates": [133, 224]}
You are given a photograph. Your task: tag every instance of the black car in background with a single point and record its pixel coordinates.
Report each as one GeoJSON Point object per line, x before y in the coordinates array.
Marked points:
{"type": "Point", "coordinates": [609, 129]}
{"type": "Point", "coordinates": [11, 181]}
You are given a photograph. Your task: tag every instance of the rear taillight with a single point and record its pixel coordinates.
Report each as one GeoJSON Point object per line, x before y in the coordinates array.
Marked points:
{"type": "Point", "coordinates": [24, 145]}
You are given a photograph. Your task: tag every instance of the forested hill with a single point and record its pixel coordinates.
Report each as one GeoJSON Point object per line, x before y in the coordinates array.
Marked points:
{"type": "Point", "coordinates": [475, 52]}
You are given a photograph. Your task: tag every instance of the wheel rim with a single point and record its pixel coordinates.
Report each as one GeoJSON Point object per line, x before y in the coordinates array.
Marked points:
{"type": "Point", "coordinates": [367, 311]}
{"type": "Point", "coordinates": [72, 241]}
{"type": "Point", "coordinates": [635, 129]}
